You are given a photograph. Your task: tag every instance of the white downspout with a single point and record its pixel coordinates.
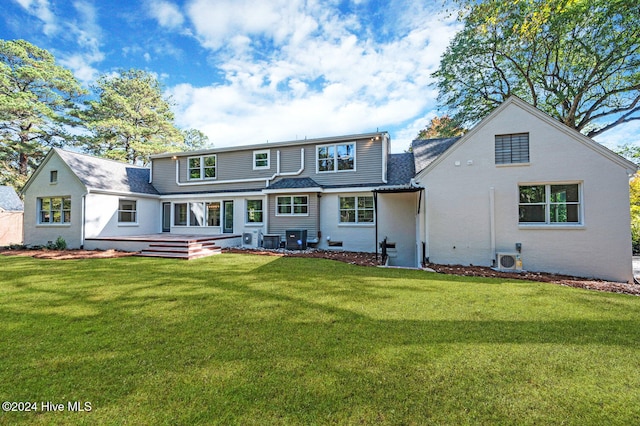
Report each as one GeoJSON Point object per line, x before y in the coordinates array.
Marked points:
{"type": "Point", "coordinates": [385, 154]}
{"type": "Point", "coordinates": [84, 220]}
{"type": "Point", "coordinates": [492, 222]}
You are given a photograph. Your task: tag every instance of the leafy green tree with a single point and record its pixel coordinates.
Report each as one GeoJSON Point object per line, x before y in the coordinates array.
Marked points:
{"type": "Point", "coordinates": [130, 119]}
{"type": "Point", "coordinates": [194, 139]}
{"type": "Point", "coordinates": [577, 60]}
{"type": "Point", "coordinates": [441, 127]}
{"type": "Point", "coordinates": [36, 96]}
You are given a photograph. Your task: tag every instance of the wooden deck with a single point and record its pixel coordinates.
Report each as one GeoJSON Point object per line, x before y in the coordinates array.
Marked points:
{"type": "Point", "coordinates": [187, 246]}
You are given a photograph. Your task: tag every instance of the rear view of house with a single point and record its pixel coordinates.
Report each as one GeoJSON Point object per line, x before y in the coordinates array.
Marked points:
{"type": "Point", "coordinates": [518, 191]}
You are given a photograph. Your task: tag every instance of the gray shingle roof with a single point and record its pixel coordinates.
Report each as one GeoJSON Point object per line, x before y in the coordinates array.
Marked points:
{"type": "Point", "coordinates": [294, 183]}
{"type": "Point", "coordinates": [400, 169]}
{"type": "Point", "coordinates": [426, 151]}
{"type": "Point", "coordinates": [9, 200]}
{"type": "Point", "coordinates": [108, 175]}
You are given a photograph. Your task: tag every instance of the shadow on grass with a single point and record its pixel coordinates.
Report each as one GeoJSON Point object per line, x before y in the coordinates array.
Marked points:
{"type": "Point", "coordinates": [235, 334]}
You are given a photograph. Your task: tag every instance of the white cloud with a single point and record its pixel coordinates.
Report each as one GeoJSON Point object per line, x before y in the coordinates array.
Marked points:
{"type": "Point", "coordinates": [295, 69]}
{"type": "Point", "coordinates": [628, 133]}
{"type": "Point", "coordinates": [86, 32]}
{"type": "Point", "coordinates": [167, 14]}
{"type": "Point", "coordinates": [42, 10]}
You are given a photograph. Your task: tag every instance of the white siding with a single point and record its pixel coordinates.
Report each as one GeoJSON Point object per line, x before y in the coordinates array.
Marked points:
{"type": "Point", "coordinates": [67, 185]}
{"type": "Point", "coordinates": [102, 216]}
{"type": "Point", "coordinates": [354, 237]}
{"type": "Point", "coordinates": [458, 220]}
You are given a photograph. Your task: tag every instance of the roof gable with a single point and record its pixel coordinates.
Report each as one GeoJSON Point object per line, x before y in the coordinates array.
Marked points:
{"type": "Point", "coordinates": [514, 101]}
{"type": "Point", "coordinates": [108, 175]}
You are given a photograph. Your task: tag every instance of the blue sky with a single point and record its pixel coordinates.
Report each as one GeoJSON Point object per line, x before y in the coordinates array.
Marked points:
{"type": "Point", "coordinates": [248, 71]}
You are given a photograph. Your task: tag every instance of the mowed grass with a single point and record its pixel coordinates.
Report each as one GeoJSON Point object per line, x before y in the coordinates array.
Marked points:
{"type": "Point", "coordinates": [241, 339]}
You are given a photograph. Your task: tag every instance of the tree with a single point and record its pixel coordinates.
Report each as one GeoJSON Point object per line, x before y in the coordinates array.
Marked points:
{"type": "Point", "coordinates": [36, 96]}
{"type": "Point", "coordinates": [577, 60]}
{"type": "Point", "coordinates": [194, 139]}
{"type": "Point", "coordinates": [130, 119]}
{"type": "Point", "coordinates": [441, 127]}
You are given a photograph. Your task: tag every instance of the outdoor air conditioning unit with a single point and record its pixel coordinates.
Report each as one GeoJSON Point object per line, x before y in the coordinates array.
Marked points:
{"type": "Point", "coordinates": [247, 238]}
{"type": "Point", "coordinates": [296, 239]}
{"type": "Point", "coordinates": [509, 261]}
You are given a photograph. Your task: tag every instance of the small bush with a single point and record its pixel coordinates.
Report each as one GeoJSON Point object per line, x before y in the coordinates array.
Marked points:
{"type": "Point", "coordinates": [59, 244]}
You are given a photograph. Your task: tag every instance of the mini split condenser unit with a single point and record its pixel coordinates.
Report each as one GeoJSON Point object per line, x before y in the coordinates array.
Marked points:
{"type": "Point", "coordinates": [509, 261]}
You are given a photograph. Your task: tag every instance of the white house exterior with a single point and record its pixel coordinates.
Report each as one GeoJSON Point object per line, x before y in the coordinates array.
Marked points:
{"type": "Point", "coordinates": [77, 196]}
{"type": "Point", "coordinates": [475, 208]}
{"type": "Point", "coordinates": [519, 183]}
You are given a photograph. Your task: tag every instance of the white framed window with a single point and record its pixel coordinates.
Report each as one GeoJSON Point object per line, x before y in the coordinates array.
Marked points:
{"type": "Point", "coordinates": [336, 158]}
{"type": "Point", "coordinates": [203, 167]}
{"type": "Point", "coordinates": [53, 176]}
{"type": "Point", "coordinates": [54, 210]}
{"type": "Point", "coordinates": [213, 213]}
{"type": "Point", "coordinates": [356, 210]}
{"type": "Point", "coordinates": [254, 211]}
{"type": "Point", "coordinates": [512, 149]}
{"type": "Point", "coordinates": [127, 211]}
{"type": "Point", "coordinates": [292, 205]}
{"type": "Point", "coordinates": [196, 214]}
{"type": "Point", "coordinates": [551, 204]}
{"type": "Point", "coordinates": [180, 214]}
{"type": "Point", "coordinates": [261, 159]}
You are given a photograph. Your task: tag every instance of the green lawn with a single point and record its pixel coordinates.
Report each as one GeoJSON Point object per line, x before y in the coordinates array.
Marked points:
{"type": "Point", "coordinates": [241, 339]}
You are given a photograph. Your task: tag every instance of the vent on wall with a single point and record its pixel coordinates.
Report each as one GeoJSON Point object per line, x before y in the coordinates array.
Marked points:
{"type": "Point", "coordinates": [509, 261]}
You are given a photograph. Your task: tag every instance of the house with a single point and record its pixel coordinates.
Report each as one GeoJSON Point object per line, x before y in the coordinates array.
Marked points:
{"type": "Point", "coordinates": [76, 196]}
{"type": "Point", "coordinates": [519, 190]}
{"type": "Point", "coordinates": [523, 184]}
{"type": "Point", "coordinates": [11, 210]}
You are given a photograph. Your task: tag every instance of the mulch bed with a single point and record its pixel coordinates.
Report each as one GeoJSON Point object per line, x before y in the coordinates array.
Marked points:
{"type": "Point", "coordinates": [358, 258]}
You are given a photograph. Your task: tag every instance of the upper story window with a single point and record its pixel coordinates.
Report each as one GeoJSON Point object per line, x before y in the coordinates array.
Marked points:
{"type": "Point", "coordinates": [511, 149]}
{"type": "Point", "coordinates": [203, 167]}
{"type": "Point", "coordinates": [336, 158]}
{"type": "Point", "coordinates": [54, 210]}
{"type": "Point", "coordinates": [127, 211]}
{"type": "Point", "coordinates": [261, 160]}
{"type": "Point", "coordinates": [53, 176]}
{"type": "Point", "coordinates": [550, 204]}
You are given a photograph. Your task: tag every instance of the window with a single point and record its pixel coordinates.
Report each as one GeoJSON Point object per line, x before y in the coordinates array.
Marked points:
{"type": "Point", "coordinates": [336, 158]}
{"type": "Point", "coordinates": [356, 210]}
{"type": "Point", "coordinates": [550, 204]}
{"type": "Point", "coordinates": [292, 205]}
{"type": "Point", "coordinates": [53, 176]}
{"type": "Point", "coordinates": [512, 149]}
{"type": "Point", "coordinates": [202, 167]}
{"type": "Point", "coordinates": [213, 214]}
{"type": "Point", "coordinates": [254, 211]}
{"type": "Point", "coordinates": [180, 214]}
{"type": "Point", "coordinates": [261, 159]}
{"type": "Point", "coordinates": [196, 214]}
{"type": "Point", "coordinates": [54, 210]}
{"type": "Point", "coordinates": [127, 211]}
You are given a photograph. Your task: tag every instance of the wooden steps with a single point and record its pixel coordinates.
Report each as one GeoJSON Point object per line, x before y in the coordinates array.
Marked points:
{"type": "Point", "coordinates": [187, 249]}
